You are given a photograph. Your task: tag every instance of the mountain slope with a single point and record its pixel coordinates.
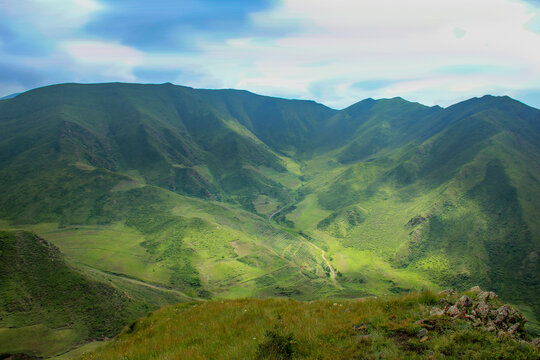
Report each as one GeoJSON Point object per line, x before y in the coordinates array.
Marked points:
{"type": "Point", "coordinates": [225, 193]}
{"type": "Point", "coordinates": [168, 134]}
{"type": "Point", "coordinates": [47, 306]}
{"type": "Point", "coordinates": [460, 206]}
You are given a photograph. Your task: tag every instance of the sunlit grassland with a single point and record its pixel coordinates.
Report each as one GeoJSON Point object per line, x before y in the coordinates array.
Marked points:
{"type": "Point", "coordinates": [115, 248]}
{"type": "Point", "coordinates": [265, 205]}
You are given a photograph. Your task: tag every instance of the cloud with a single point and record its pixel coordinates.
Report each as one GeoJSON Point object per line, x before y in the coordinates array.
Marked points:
{"type": "Point", "coordinates": [171, 25]}
{"type": "Point", "coordinates": [335, 52]}
{"type": "Point", "coordinates": [365, 41]}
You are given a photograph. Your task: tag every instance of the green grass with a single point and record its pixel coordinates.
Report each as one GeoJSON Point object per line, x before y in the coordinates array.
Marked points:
{"type": "Point", "coordinates": [287, 329]}
{"type": "Point", "coordinates": [47, 306]}
{"type": "Point", "coordinates": [38, 340]}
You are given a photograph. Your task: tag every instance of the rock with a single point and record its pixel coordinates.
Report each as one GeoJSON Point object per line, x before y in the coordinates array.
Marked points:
{"type": "Point", "coordinates": [436, 312]}
{"type": "Point", "coordinates": [483, 296]}
{"type": "Point", "coordinates": [421, 333]}
{"type": "Point", "coordinates": [486, 295]}
{"type": "Point", "coordinates": [482, 309]}
{"type": "Point", "coordinates": [491, 326]}
{"type": "Point", "coordinates": [536, 342]}
{"type": "Point", "coordinates": [514, 328]}
{"type": "Point", "coordinates": [448, 292]}
{"type": "Point", "coordinates": [453, 311]}
{"type": "Point", "coordinates": [477, 323]}
{"type": "Point", "coordinates": [502, 334]}
{"type": "Point", "coordinates": [424, 339]}
{"type": "Point", "coordinates": [476, 289]}
{"type": "Point", "coordinates": [502, 314]}
{"type": "Point", "coordinates": [463, 302]}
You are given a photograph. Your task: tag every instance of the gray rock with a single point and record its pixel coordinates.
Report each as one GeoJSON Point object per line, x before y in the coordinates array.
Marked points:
{"type": "Point", "coordinates": [453, 311]}
{"type": "Point", "coordinates": [477, 323]}
{"type": "Point", "coordinates": [436, 312]}
{"type": "Point", "coordinates": [483, 296]}
{"type": "Point", "coordinates": [476, 289]}
{"type": "Point", "coordinates": [486, 295]}
{"type": "Point", "coordinates": [502, 314]}
{"type": "Point", "coordinates": [512, 329]}
{"type": "Point", "coordinates": [463, 302]}
{"type": "Point", "coordinates": [482, 309]}
{"type": "Point", "coordinates": [490, 326]}
{"type": "Point", "coordinates": [421, 333]}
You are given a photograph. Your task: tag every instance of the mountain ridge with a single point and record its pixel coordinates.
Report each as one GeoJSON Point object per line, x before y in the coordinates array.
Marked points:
{"type": "Point", "coordinates": [226, 193]}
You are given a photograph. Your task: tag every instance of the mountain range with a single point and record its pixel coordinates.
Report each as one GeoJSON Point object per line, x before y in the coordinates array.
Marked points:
{"type": "Point", "coordinates": [228, 194]}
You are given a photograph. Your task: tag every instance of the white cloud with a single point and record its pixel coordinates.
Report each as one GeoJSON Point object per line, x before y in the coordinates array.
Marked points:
{"type": "Point", "coordinates": [53, 17]}
{"type": "Point", "coordinates": [353, 40]}
{"type": "Point", "coordinates": [105, 58]}
{"type": "Point", "coordinates": [423, 50]}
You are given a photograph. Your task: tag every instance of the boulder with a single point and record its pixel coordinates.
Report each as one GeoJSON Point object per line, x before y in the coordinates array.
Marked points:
{"type": "Point", "coordinates": [502, 314]}
{"type": "Point", "coordinates": [453, 311]}
{"type": "Point", "coordinates": [482, 309]}
{"type": "Point", "coordinates": [512, 329]}
{"type": "Point", "coordinates": [476, 289]}
{"type": "Point", "coordinates": [463, 302]}
{"type": "Point", "coordinates": [490, 326]}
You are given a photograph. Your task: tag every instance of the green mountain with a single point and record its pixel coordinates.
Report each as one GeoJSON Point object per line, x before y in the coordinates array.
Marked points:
{"type": "Point", "coordinates": [227, 194]}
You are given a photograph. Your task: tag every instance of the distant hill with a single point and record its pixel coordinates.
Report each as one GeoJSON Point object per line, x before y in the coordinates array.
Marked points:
{"type": "Point", "coordinates": [225, 193]}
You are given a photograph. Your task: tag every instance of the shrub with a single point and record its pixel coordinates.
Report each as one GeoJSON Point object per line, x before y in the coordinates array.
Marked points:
{"type": "Point", "coordinates": [277, 346]}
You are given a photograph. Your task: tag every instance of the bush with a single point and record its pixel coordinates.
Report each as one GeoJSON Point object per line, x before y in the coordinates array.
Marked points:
{"type": "Point", "coordinates": [276, 346]}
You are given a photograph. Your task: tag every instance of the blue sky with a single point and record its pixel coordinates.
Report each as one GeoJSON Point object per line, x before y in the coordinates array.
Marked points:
{"type": "Point", "coordinates": [335, 52]}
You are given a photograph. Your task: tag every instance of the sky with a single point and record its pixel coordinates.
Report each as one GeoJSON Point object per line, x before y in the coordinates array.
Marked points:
{"type": "Point", "coordinates": [336, 52]}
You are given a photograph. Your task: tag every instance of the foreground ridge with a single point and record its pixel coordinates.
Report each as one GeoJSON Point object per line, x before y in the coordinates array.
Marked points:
{"type": "Point", "coordinates": [388, 328]}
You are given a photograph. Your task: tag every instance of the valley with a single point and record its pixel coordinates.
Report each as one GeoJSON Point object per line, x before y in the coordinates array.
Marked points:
{"type": "Point", "coordinates": [172, 194]}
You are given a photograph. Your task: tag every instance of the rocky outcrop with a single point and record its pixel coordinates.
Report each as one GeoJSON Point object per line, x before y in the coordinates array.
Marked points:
{"type": "Point", "coordinates": [483, 310]}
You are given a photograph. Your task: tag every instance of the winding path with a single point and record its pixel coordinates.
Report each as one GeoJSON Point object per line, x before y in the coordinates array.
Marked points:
{"type": "Point", "coordinates": [142, 283]}
{"type": "Point", "coordinates": [333, 274]}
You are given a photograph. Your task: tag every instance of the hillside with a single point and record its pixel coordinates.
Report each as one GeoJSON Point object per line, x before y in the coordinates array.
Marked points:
{"type": "Point", "coordinates": [221, 194]}
{"type": "Point", "coordinates": [392, 328]}
{"type": "Point", "coordinates": [47, 306]}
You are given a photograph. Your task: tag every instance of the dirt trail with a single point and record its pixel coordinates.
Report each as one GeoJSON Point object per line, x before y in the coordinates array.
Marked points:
{"type": "Point", "coordinates": [333, 274]}
{"type": "Point", "coordinates": [280, 210]}
{"type": "Point", "coordinates": [139, 282]}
